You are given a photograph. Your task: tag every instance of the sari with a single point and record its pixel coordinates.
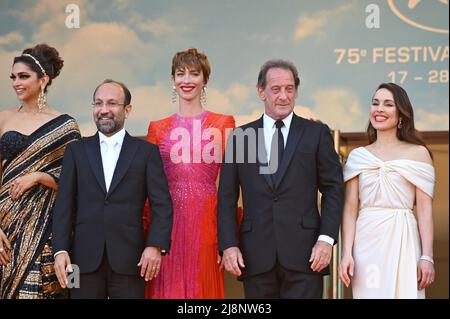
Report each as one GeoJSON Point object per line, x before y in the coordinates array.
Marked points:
{"type": "Point", "coordinates": [27, 221]}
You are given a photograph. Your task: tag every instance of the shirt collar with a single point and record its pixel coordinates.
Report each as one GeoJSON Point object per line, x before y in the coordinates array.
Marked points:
{"type": "Point", "coordinates": [270, 122]}
{"type": "Point", "coordinates": [117, 138]}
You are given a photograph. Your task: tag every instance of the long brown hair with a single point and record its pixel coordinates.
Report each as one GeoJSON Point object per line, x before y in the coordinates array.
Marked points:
{"type": "Point", "coordinates": [407, 132]}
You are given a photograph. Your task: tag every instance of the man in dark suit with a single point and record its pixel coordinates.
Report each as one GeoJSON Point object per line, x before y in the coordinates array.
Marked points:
{"type": "Point", "coordinates": [105, 181]}
{"type": "Point", "coordinates": [284, 246]}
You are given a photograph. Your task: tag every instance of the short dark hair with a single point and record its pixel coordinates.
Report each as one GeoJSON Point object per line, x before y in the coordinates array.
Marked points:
{"type": "Point", "coordinates": [191, 58]}
{"type": "Point", "coordinates": [125, 90]}
{"type": "Point", "coordinates": [274, 64]}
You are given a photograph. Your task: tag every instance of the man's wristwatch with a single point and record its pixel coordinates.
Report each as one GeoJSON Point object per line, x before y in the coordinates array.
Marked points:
{"type": "Point", "coordinates": [163, 252]}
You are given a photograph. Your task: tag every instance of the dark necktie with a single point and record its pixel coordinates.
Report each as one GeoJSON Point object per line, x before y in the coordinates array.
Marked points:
{"type": "Point", "coordinates": [279, 148]}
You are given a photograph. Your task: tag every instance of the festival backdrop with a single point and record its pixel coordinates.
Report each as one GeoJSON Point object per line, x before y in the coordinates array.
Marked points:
{"type": "Point", "coordinates": [343, 50]}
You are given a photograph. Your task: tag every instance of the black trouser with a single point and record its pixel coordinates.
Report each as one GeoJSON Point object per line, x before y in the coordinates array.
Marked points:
{"type": "Point", "coordinates": [105, 283]}
{"type": "Point", "coordinates": [283, 283]}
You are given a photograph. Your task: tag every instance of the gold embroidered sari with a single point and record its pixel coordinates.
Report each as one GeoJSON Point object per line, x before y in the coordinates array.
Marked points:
{"type": "Point", "coordinates": [27, 220]}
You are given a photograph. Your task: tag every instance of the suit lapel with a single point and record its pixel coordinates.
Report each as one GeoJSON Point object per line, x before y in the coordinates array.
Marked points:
{"type": "Point", "coordinates": [295, 133]}
{"type": "Point", "coordinates": [92, 146]}
{"type": "Point", "coordinates": [129, 148]}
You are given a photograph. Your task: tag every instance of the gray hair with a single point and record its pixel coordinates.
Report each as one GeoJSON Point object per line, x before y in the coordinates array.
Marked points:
{"type": "Point", "coordinates": [277, 63]}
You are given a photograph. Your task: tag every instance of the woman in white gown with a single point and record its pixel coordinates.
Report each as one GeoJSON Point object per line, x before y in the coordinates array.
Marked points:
{"type": "Point", "coordinates": [386, 253]}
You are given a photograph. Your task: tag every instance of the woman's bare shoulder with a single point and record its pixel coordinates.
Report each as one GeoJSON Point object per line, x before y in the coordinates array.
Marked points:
{"type": "Point", "coordinates": [54, 112]}
{"type": "Point", "coordinates": [9, 111]}
{"type": "Point", "coordinates": [418, 153]}
{"type": "Point", "coordinates": [6, 114]}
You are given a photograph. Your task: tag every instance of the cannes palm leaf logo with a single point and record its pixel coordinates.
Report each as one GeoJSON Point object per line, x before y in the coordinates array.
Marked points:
{"type": "Point", "coordinates": [405, 13]}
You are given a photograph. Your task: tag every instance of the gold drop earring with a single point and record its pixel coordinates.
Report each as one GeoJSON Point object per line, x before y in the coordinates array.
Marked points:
{"type": "Point", "coordinates": [174, 95]}
{"type": "Point", "coordinates": [42, 100]}
{"type": "Point", "coordinates": [203, 97]}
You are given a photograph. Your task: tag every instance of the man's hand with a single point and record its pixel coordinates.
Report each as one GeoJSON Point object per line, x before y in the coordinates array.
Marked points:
{"type": "Point", "coordinates": [150, 263]}
{"type": "Point", "coordinates": [232, 260]}
{"type": "Point", "coordinates": [321, 255]}
{"type": "Point", "coordinates": [62, 267]}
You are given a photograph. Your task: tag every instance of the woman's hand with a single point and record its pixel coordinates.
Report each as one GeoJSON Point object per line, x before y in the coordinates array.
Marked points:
{"type": "Point", "coordinates": [220, 262]}
{"type": "Point", "coordinates": [20, 185]}
{"type": "Point", "coordinates": [425, 274]}
{"type": "Point", "coordinates": [346, 268]}
{"type": "Point", "coordinates": [5, 246]}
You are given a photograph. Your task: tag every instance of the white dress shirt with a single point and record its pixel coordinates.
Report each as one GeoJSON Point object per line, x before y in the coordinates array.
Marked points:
{"type": "Point", "coordinates": [269, 129]}
{"type": "Point", "coordinates": [110, 149]}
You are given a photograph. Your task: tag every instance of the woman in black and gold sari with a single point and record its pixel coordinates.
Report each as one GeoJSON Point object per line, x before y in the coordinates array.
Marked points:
{"type": "Point", "coordinates": [33, 138]}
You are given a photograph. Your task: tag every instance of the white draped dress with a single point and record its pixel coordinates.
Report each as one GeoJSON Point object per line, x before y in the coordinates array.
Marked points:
{"type": "Point", "coordinates": [387, 245]}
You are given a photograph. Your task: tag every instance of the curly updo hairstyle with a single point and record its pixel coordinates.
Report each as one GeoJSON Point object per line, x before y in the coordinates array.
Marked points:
{"type": "Point", "coordinates": [47, 56]}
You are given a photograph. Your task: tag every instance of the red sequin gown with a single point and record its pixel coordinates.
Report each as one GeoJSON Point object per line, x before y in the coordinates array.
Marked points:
{"type": "Point", "coordinates": [191, 149]}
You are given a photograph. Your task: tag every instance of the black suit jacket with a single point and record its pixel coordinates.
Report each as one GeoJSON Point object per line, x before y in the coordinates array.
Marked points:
{"type": "Point", "coordinates": [282, 220]}
{"type": "Point", "coordinates": [114, 218]}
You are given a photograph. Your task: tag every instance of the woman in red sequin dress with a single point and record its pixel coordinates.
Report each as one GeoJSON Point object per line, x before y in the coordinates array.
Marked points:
{"type": "Point", "coordinates": [191, 143]}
